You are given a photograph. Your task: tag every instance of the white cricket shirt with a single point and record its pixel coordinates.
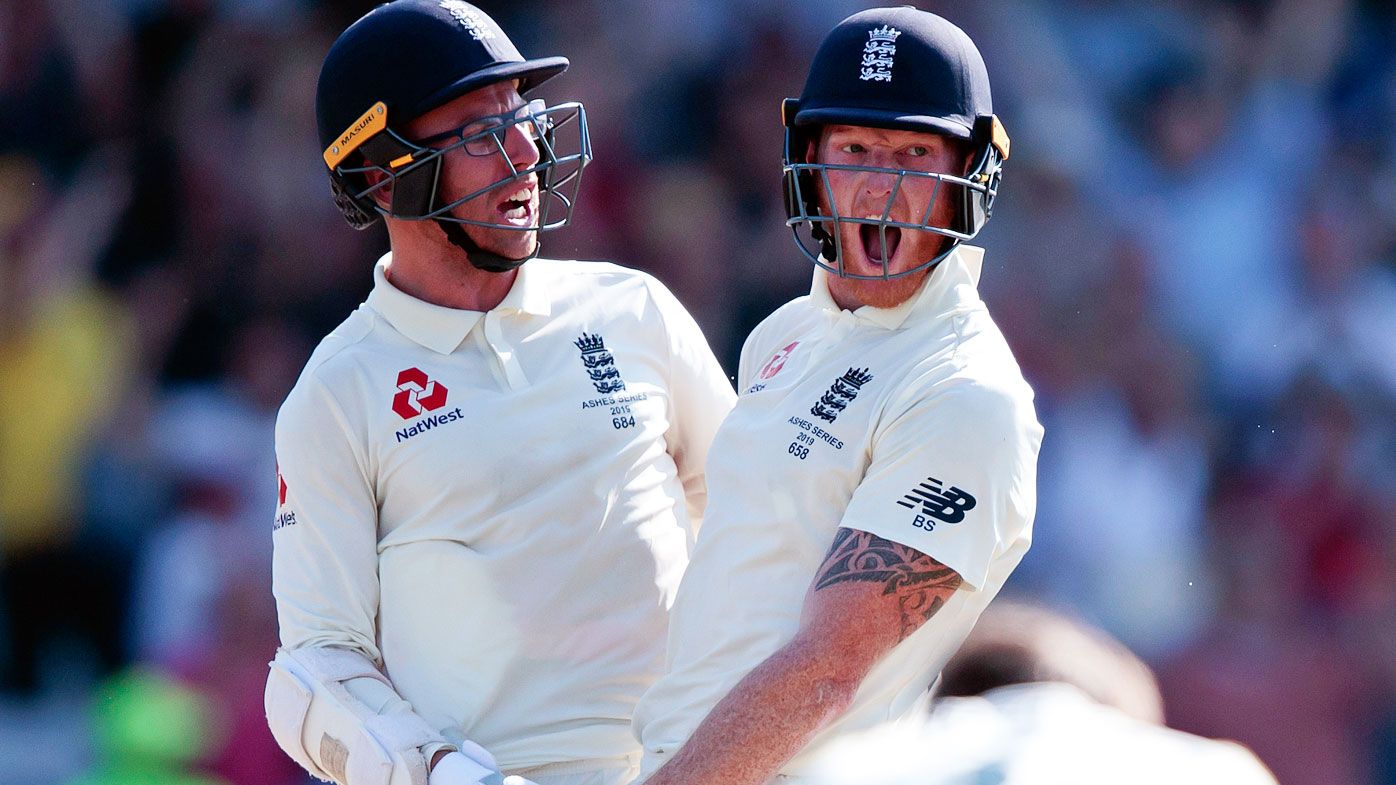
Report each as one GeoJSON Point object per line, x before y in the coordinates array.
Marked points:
{"type": "Point", "coordinates": [1041, 733]}
{"type": "Point", "coordinates": [498, 506]}
{"type": "Point", "coordinates": [913, 423]}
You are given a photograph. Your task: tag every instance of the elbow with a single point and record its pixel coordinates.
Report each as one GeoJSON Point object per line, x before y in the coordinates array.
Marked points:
{"type": "Point", "coordinates": [832, 680]}
{"type": "Point", "coordinates": [831, 696]}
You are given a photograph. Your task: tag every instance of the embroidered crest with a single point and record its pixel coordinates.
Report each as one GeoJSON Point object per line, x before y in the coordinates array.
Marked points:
{"type": "Point", "coordinates": [600, 365]}
{"type": "Point", "coordinates": [841, 393]}
{"type": "Point", "coordinates": [469, 18]}
{"type": "Point", "coordinates": [878, 53]}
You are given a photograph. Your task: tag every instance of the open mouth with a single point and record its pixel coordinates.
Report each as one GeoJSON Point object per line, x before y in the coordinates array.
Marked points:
{"type": "Point", "coordinates": [872, 234]}
{"type": "Point", "coordinates": [517, 207]}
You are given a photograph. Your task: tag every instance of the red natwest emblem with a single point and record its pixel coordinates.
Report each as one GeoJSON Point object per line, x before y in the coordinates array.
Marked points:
{"type": "Point", "coordinates": [777, 362]}
{"type": "Point", "coordinates": [417, 394]}
{"type": "Point", "coordinates": [280, 486]}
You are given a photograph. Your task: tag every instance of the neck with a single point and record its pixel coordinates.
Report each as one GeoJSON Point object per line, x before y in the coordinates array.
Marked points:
{"type": "Point", "coordinates": [441, 274]}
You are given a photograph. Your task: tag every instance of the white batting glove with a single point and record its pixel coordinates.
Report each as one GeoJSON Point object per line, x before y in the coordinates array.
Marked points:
{"type": "Point", "coordinates": [455, 768]}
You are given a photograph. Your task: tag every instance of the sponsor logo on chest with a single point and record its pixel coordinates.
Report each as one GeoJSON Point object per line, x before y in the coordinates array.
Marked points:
{"type": "Point", "coordinates": [416, 395]}
{"type": "Point", "coordinates": [772, 367]}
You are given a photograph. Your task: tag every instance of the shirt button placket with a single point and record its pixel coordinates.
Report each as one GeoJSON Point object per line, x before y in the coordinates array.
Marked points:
{"type": "Point", "coordinates": [836, 329]}
{"type": "Point", "coordinates": [504, 352]}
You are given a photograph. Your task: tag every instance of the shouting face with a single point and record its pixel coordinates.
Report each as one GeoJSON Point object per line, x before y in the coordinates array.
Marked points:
{"type": "Point", "coordinates": [866, 194]}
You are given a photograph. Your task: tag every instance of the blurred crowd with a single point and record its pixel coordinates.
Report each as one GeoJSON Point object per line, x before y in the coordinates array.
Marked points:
{"type": "Point", "coordinates": [1193, 256]}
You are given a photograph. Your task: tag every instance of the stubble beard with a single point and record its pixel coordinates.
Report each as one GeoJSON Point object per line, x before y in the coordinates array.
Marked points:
{"type": "Point", "coordinates": [878, 293]}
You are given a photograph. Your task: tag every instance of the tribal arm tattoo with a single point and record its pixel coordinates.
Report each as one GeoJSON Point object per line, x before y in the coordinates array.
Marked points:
{"type": "Point", "coordinates": [920, 584]}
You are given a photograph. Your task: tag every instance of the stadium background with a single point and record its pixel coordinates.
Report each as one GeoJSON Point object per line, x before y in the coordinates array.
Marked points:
{"type": "Point", "coordinates": [1194, 257]}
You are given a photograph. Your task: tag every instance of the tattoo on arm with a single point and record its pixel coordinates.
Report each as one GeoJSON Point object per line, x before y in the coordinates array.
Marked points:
{"type": "Point", "coordinates": [921, 584]}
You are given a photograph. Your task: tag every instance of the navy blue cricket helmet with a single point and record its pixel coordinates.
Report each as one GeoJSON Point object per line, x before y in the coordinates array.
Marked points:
{"type": "Point", "coordinates": [896, 68]}
{"type": "Point", "coordinates": [407, 57]}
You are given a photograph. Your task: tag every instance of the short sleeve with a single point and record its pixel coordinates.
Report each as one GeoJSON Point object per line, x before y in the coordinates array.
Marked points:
{"type": "Point", "coordinates": [750, 347]}
{"type": "Point", "coordinates": [952, 474]}
{"type": "Point", "coordinates": [701, 395]}
{"type": "Point", "coordinates": [325, 538]}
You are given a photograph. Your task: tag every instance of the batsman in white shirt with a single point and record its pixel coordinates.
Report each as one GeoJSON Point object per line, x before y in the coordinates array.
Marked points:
{"type": "Point", "coordinates": [491, 473]}
{"type": "Point", "coordinates": [875, 484]}
{"type": "Point", "coordinates": [1038, 698]}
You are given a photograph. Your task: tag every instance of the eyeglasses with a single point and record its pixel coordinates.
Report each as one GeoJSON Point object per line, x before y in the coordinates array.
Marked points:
{"type": "Point", "coordinates": [486, 135]}
{"type": "Point", "coordinates": [559, 132]}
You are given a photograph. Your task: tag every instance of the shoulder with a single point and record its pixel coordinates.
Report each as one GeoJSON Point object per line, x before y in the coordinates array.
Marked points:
{"type": "Point", "coordinates": [780, 321]}
{"type": "Point", "coordinates": [985, 398]}
{"type": "Point", "coordinates": [338, 349]}
{"type": "Point", "coordinates": [331, 366]}
{"type": "Point", "coordinates": [799, 308]}
{"type": "Point", "coordinates": [976, 368]}
{"type": "Point", "coordinates": [622, 290]}
{"type": "Point", "coordinates": [577, 273]}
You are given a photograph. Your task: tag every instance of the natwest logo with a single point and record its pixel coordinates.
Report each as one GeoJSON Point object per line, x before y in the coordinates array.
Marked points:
{"type": "Point", "coordinates": [416, 394]}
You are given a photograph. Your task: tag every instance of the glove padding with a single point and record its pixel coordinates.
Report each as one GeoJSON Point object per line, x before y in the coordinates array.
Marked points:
{"type": "Point", "coordinates": [317, 719]}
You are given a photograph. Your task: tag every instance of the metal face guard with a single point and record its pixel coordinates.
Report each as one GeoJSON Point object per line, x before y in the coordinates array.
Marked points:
{"type": "Point", "coordinates": [818, 237]}
{"type": "Point", "coordinates": [564, 147]}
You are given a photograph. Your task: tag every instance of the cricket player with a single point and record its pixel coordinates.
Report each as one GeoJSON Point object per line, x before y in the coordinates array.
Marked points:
{"type": "Point", "coordinates": [490, 474]}
{"type": "Point", "coordinates": [1040, 699]}
{"type": "Point", "coordinates": [875, 484]}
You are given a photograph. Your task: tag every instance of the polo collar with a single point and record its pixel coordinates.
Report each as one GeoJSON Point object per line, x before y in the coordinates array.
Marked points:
{"type": "Point", "coordinates": [962, 266]}
{"type": "Point", "coordinates": [530, 292]}
{"type": "Point", "coordinates": [442, 329]}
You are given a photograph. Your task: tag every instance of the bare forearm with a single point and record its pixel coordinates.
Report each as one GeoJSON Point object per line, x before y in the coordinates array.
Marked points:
{"type": "Point", "coordinates": [765, 720]}
{"type": "Point", "coordinates": [867, 597]}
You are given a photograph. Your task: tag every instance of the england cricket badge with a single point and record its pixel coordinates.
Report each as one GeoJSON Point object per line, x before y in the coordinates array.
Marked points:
{"type": "Point", "coordinates": [841, 393]}
{"type": "Point", "coordinates": [600, 365]}
{"type": "Point", "coordinates": [878, 54]}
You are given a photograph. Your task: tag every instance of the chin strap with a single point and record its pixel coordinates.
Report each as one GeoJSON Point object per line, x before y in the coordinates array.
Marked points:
{"type": "Point", "coordinates": [479, 257]}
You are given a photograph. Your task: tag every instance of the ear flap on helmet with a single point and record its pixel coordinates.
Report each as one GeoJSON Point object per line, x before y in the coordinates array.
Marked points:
{"type": "Point", "coordinates": [414, 188]}
{"type": "Point", "coordinates": [357, 210]}
{"type": "Point", "coordinates": [991, 146]}
{"type": "Point", "coordinates": [796, 181]}
{"type": "Point", "coordinates": [801, 195]}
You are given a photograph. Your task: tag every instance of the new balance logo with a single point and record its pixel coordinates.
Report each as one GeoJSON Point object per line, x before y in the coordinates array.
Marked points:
{"type": "Point", "coordinates": [416, 394]}
{"type": "Point", "coordinates": [937, 503]}
{"type": "Point", "coordinates": [841, 393]}
{"type": "Point", "coordinates": [600, 365]}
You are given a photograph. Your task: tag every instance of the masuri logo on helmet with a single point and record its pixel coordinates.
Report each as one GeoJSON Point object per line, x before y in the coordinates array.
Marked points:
{"type": "Point", "coordinates": [373, 121]}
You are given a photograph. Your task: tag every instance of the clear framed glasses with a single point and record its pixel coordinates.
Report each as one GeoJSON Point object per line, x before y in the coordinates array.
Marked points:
{"type": "Point", "coordinates": [485, 136]}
